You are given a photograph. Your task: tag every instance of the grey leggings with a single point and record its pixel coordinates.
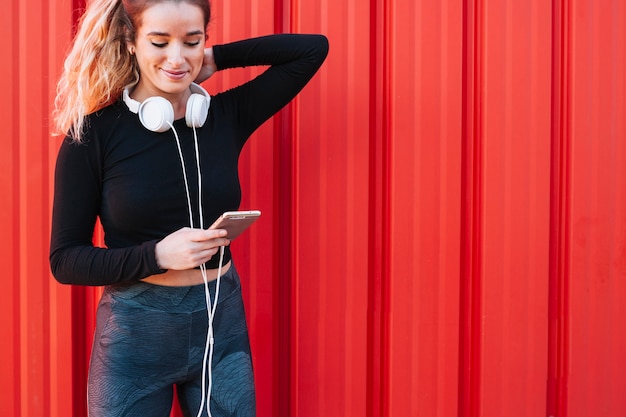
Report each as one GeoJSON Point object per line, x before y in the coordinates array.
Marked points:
{"type": "Point", "coordinates": [150, 339]}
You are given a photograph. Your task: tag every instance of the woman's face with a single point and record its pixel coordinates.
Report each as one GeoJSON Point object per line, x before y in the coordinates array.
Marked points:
{"type": "Point", "coordinates": [169, 48]}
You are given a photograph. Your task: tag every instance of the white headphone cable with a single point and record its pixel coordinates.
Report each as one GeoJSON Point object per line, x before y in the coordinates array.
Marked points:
{"type": "Point", "coordinates": [210, 343]}
{"type": "Point", "coordinates": [211, 307]}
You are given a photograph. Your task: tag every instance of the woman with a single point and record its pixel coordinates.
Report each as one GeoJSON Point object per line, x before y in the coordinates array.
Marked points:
{"type": "Point", "coordinates": [154, 158]}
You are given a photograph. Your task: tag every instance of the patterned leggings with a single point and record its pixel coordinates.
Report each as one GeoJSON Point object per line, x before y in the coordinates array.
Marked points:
{"type": "Point", "coordinates": [150, 339]}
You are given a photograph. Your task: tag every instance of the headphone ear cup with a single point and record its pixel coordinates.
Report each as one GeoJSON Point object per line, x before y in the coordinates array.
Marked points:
{"type": "Point", "coordinates": [197, 110]}
{"type": "Point", "coordinates": [156, 114]}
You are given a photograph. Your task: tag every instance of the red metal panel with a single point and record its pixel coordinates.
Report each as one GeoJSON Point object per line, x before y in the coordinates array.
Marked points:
{"type": "Point", "coordinates": [422, 142]}
{"type": "Point", "coordinates": [9, 206]}
{"type": "Point", "coordinates": [61, 346]}
{"type": "Point", "coordinates": [506, 211]}
{"type": "Point", "coordinates": [559, 200]}
{"type": "Point", "coordinates": [30, 250]}
{"type": "Point", "coordinates": [597, 210]}
{"type": "Point", "coordinates": [471, 218]}
{"type": "Point", "coordinates": [515, 131]}
{"type": "Point", "coordinates": [329, 236]}
{"type": "Point", "coordinates": [587, 368]}
{"type": "Point", "coordinates": [36, 348]}
{"type": "Point", "coordinates": [515, 166]}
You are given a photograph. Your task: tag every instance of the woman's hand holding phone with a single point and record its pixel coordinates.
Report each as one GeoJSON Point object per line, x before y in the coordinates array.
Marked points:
{"type": "Point", "coordinates": [188, 248]}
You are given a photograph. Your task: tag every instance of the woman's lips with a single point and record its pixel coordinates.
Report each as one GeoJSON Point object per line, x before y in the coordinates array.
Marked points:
{"type": "Point", "coordinates": [174, 75]}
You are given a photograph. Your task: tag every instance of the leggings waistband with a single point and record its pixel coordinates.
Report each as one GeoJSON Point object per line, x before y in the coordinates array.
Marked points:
{"type": "Point", "coordinates": [173, 299]}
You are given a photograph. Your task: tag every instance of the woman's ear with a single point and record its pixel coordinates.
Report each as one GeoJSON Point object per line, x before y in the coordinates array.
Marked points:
{"type": "Point", "coordinates": [130, 41]}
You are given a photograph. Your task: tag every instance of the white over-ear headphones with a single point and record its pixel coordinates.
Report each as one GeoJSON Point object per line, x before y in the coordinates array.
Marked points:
{"type": "Point", "coordinates": [157, 114]}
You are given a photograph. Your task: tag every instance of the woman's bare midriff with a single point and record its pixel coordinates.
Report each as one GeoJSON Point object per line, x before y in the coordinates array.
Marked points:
{"type": "Point", "coordinates": [184, 278]}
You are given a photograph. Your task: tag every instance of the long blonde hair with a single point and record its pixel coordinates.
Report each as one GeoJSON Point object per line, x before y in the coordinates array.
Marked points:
{"type": "Point", "coordinates": [99, 65]}
{"type": "Point", "coordinates": [97, 68]}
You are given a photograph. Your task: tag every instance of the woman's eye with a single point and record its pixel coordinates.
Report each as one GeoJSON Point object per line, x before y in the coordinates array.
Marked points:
{"type": "Point", "coordinates": [159, 45]}
{"type": "Point", "coordinates": [196, 43]}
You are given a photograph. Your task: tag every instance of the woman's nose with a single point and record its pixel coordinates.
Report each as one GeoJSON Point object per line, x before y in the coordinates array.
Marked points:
{"type": "Point", "coordinates": [175, 55]}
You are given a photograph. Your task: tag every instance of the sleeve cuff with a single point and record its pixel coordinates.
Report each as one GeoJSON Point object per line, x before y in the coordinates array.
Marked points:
{"type": "Point", "coordinates": [152, 263]}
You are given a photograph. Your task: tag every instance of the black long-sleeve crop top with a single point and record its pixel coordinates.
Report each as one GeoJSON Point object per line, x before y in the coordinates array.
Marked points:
{"type": "Point", "coordinates": [131, 178]}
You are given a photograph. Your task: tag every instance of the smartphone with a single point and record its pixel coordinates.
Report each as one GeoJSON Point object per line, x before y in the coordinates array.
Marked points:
{"type": "Point", "coordinates": [235, 222]}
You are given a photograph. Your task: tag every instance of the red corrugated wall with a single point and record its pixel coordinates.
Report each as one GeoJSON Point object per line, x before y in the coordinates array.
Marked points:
{"type": "Point", "coordinates": [444, 228]}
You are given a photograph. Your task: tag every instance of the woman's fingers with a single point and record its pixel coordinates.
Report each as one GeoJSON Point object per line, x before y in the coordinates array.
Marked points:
{"type": "Point", "coordinates": [188, 248]}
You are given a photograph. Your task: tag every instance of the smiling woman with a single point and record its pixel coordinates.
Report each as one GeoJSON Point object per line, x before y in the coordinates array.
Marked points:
{"type": "Point", "coordinates": [155, 158]}
{"type": "Point", "coordinates": [169, 51]}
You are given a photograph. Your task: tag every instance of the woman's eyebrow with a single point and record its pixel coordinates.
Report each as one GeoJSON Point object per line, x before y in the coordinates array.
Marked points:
{"type": "Point", "coordinates": [192, 33]}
